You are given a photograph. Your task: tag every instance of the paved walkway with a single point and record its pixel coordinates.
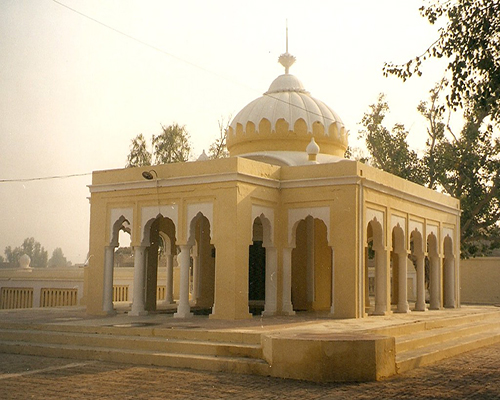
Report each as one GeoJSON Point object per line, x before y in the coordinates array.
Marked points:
{"type": "Point", "coordinates": [474, 375]}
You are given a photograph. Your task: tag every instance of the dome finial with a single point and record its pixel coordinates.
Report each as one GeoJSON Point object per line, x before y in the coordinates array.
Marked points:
{"type": "Point", "coordinates": [286, 59]}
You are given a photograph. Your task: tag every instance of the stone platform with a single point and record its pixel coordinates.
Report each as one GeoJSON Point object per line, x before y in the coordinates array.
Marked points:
{"type": "Point", "coordinates": [307, 347]}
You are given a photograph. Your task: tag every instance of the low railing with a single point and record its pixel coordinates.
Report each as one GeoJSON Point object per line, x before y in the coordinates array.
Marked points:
{"type": "Point", "coordinates": [58, 297]}
{"type": "Point", "coordinates": [120, 292]}
{"type": "Point", "coordinates": [16, 298]}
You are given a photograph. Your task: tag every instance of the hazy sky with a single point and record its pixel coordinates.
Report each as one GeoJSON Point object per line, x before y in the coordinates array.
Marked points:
{"type": "Point", "coordinates": [73, 92]}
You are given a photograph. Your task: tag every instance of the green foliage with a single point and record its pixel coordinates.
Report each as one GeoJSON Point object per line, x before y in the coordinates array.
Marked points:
{"type": "Point", "coordinates": [170, 146]}
{"type": "Point", "coordinates": [388, 149]}
{"type": "Point", "coordinates": [58, 259]}
{"type": "Point", "coordinates": [218, 148]}
{"type": "Point", "coordinates": [470, 40]}
{"type": "Point", "coordinates": [30, 247]}
{"type": "Point", "coordinates": [139, 154]}
{"type": "Point", "coordinates": [465, 166]}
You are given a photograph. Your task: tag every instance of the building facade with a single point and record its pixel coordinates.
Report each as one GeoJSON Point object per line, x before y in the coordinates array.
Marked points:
{"type": "Point", "coordinates": [285, 223]}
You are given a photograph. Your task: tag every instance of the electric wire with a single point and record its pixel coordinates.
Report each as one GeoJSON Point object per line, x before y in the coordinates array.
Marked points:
{"type": "Point", "coordinates": [191, 63]}
{"type": "Point", "coordinates": [44, 178]}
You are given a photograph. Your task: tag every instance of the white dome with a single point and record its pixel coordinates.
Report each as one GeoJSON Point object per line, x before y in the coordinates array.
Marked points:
{"type": "Point", "coordinates": [283, 121]}
{"type": "Point", "coordinates": [288, 99]}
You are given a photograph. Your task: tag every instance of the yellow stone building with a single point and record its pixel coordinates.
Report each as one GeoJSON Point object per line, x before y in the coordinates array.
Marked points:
{"type": "Point", "coordinates": [286, 223]}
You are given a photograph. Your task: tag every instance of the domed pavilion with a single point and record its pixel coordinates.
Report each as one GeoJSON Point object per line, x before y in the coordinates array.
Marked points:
{"type": "Point", "coordinates": [286, 224]}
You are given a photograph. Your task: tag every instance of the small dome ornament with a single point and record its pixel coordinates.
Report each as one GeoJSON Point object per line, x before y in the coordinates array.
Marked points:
{"type": "Point", "coordinates": [312, 150]}
{"type": "Point", "coordinates": [203, 156]}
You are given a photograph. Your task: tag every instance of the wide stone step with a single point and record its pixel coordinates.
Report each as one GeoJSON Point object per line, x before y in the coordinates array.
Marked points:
{"type": "Point", "coordinates": [144, 330]}
{"type": "Point", "coordinates": [411, 359]}
{"type": "Point", "coordinates": [424, 324]}
{"type": "Point", "coordinates": [161, 344]}
{"type": "Point", "coordinates": [439, 335]}
{"type": "Point", "coordinates": [204, 362]}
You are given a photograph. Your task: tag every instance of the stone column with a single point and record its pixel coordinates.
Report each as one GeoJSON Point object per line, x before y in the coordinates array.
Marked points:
{"type": "Point", "coordinates": [196, 273]}
{"type": "Point", "coordinates": [403, 306]}
{"type": "Point", "coordinates": [449, 270]}
{"type": "Point", "coordinates": [381, 278]}
{"type": "Point", "coordinates": [107, 298]}
{"type": "Point", "coordinates": [169, 288]}
{"type": "Point", "coordinates": [287, 281]}
{"type": "Point", "coordinates": [435, 283]}
{"type": "Point", "coordinates": [420, 305]}
{"type": "Point", "coordinates": [332, 308]}
{"type": "Point", "coordinates": [183, 309]}
{"type": "Point", "coordinates": [310, 260]}
{"type": "Point", "coordinates": [271, 281]}
{"type": "Point", "coordinates": [138, 305]}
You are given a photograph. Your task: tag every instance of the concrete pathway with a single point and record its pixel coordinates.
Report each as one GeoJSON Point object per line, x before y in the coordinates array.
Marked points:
{"type": "Point", "coordinates": [474, 375]}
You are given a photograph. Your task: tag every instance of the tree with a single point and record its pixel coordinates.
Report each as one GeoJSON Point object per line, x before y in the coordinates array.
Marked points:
{"type": "Point", "coordinates": [139, 154]}
{"type": "Point", "coordinates": [58, 260]}
{"type": "Point", "coordinates": [172, 145]}
{"type": "Point", "coordinates": [30, 247]}
{"type": "Point", "coordinates": [388, 149]}
{"type": "Point", "coordinates": [218, 148]}
{"type": "Point", "coordinates": [470, 39]}
{"type": "Point", "coordinates": [465, 166]}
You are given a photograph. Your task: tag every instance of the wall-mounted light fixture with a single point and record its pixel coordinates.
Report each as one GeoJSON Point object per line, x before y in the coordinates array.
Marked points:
{"type": "Point", "coordinates": [148, 175]}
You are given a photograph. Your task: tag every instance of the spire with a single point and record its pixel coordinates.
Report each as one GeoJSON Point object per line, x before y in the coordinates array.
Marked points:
{"type": "Point", "coordinates": [286, 59]}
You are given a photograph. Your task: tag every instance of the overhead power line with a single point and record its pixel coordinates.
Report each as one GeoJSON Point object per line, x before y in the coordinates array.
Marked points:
{"type": "Point", "coordinates": [44, 178]}
{"type": "Point", "coordinates": [189, 62]}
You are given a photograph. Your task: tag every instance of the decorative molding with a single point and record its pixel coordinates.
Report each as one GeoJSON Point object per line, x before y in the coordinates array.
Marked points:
{"type": "Point", "coordinates": [297, 214]}
{"type": "Point", "coordinates": [148, 213]}
{"type": "Point", "coordinates": [207, 209]}
{"type": "Point", "coordinates": [268, 213]}
{"type": "Point", "coordinates": [115, 215]}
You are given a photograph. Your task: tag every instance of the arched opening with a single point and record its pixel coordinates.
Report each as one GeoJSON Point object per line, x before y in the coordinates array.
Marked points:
{"type": "Point", "coordinates": [161, 247]}
{"type": "Point", "coordinates": [116, 256]}
{"type": "Point", "coordinates": [369, 272]}
{"type": "Point", "coordinates": [375, 267]}
{"type": "Point", "coordinates": [257, 269]}
{"type": "Point", "coordinates": [449, 274]}
{"type": "Point", "coordinates": [311, 267]}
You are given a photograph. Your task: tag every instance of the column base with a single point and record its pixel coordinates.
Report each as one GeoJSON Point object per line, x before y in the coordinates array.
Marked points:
{"type": "Point", "coordinates": [288, 310]}
{"type": "Point", "coordinates": [382, 311]}
{"type": "Point", "coordinates": [109, 313]}
{"type": "Point", "coordinates": [183, 314]}
{"type": "Point", "coordinates": [137, 313]}
{"type": "Point", "coordinates": [403, 309]}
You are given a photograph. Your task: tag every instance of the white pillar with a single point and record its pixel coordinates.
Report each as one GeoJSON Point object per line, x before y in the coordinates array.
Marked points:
{"type": "Point", "coordinates": [381, 282]}
{"type": "Point", "coordinates": [107, 296]}
{"type": "Point", "coordinates": [196, 273]}
{"type": "Point", "coordinates": [310, 260]}
{"type": "Point", "coordinates": [271, 281]}
{"type": "Point", "coordinates": [169, 289]}
{"type": "Point", "coordinates": [449, 270]}
{"type": "Point", "coordinates": [435, 283]}
{"type": "Point", "coordinates": [183, 309]}
{"type": "Point", "coordinates": [403, 306]}
{"type": "Point", "coordinates": [420, 305]}
{"type": "Point", "coordinates": [287, 281]}
{"type": "Point", "coordinates": [332, 308]}
{"type": "Point", "coordinates": [139, 280]}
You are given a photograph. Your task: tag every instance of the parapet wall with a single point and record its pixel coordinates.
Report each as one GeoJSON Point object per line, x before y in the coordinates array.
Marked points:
{"type": "Point", "coordinates": [479, 280]}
